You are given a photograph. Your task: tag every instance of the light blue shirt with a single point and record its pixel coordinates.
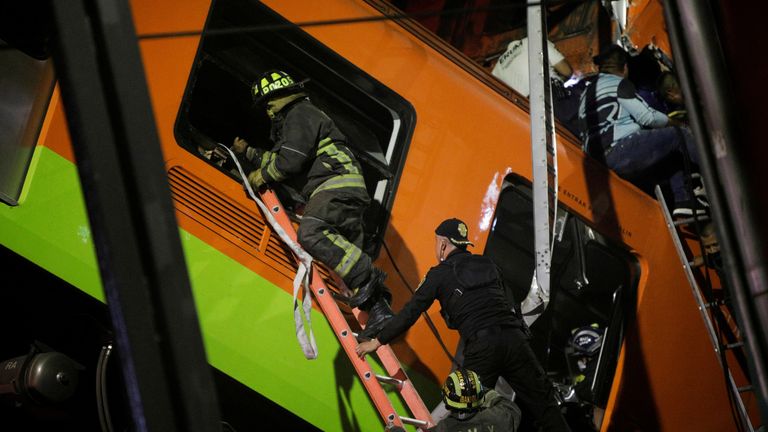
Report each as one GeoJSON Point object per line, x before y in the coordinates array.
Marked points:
{"type": "Point", "coordinates": [610, 109]}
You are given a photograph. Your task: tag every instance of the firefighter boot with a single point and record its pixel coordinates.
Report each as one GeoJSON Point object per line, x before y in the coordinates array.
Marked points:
{"type": "Point", "coordinates": [369, 289]}
{"type": "Point", "coordinates": [379, 314]}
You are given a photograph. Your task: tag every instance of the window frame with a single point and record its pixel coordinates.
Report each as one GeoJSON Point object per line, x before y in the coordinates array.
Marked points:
{"type": "Point", "coordinates": [623, 296]}
{"type": "Point", "coordinates": [335, 86]}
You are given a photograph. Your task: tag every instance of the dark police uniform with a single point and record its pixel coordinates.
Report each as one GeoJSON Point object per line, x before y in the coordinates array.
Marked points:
{"type": "Point", "coordinates": [310, 155]}
{"type": "Point", "coordinates": [473, 301]}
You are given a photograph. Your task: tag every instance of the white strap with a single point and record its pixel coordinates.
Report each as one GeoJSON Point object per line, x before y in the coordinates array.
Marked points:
{"type": "Point", "coordinates": [535, 302]}
{"type": "Point", "coordinates": [307, 343]}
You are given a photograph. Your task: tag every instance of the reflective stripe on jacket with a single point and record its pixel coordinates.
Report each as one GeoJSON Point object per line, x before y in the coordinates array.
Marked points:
{"type": "Point", "coordinates": [310, 151]}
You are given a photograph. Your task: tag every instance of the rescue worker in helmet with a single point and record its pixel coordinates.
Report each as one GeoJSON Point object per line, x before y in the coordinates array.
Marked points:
{"type": "Point", "coordinates": [310, 154]}
{"type": "Point", "coordinates": [474, 408]}
{"type": "Point", "coordinates": [473, 299]}
{"type": "Point", "coordinates": [585, 343]}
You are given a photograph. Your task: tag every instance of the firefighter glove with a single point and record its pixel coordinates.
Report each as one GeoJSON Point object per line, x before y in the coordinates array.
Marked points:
{"type": "Point", "coordinates": [255, 155]}
{"type": "Point", "coordinates": [239, 145]}
{"type": "Point", "coordinates": [256, 179]}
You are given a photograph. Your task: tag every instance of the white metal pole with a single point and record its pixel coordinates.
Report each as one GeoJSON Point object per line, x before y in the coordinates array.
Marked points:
{"type": "Point", "coordinates": [543, 155]}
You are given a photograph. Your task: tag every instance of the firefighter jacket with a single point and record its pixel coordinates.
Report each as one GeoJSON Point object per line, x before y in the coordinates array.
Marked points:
{"type": "Point", "coordinates": [310, 153]}
{"type": "Point", "coordinates": [498, 414]}
{"type": "Point", "coordinates": [471, 294]}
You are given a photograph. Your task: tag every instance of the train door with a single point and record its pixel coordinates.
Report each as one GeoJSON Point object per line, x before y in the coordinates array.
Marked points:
{"type": "Point", "coordinates": [593, 287]}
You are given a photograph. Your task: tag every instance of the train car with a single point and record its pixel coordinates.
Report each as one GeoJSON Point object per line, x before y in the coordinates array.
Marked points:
{"type": "Point", "coordinates": [438, 137]}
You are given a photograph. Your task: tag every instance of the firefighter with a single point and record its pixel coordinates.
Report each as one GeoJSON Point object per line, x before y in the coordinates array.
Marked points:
{"type": "Point", "coordinates": [585, 343]}
{"type": "Point", "coordinates": [473, 408]}
{"type": "Point", "coordinates": [474, 302]}
{"type": "Point", "coordinates": [310, 155]}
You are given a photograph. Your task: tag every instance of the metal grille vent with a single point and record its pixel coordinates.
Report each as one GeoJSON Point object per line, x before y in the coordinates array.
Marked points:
{"type": "Point", "coordinates": [213, 209]}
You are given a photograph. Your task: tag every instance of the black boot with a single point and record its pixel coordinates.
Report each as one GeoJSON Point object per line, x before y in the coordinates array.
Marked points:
{"type": "Point", "coordinates": [379, 314]}
{"type": "Point", "coordinates": [369, 289]}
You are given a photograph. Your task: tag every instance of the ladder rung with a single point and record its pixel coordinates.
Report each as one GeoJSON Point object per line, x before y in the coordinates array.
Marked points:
{"type": "Point", "coordinates": [338, 297]}
{"type": "Point", "coordinates": [714, 303]}
{"type": "Point", "coordinates": [390, 380]}
{"type": "Point", "coordinates": [675, 236]}
{"type": "Point", "coordinates": [686, 221]}
{"type": "Point", "coordinates": [746, 388]}
{"type": "Point", "coordinates": [413, 421]}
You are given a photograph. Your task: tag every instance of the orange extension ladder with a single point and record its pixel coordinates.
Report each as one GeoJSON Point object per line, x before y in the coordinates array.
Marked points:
{"type": "Point", "coordinates": [275, 213]}
{"type": "Point", "coordinates": [397, 377]}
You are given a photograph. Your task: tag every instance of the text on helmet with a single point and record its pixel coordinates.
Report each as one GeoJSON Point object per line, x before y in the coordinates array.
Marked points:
{"type": "Point", "coordinates": [280, 81]}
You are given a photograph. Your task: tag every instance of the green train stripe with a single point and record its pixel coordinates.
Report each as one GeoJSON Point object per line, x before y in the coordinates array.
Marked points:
{"type": "Point", "coordinates": [50, 226]}
{"type": "Point", "coordinates": [247, 322]}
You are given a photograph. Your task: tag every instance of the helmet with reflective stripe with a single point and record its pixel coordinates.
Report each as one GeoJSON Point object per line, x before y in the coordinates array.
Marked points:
{"type": "Point", "coordinates": [463, 391]}
{"type": "Point", "coordinates": [273, 84]}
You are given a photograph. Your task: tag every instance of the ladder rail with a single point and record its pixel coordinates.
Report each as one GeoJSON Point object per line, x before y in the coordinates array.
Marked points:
{"type": "Point", "coordinates": [740, 402]}
{"type": "Point", "coordinates": [702, 305]}
{"type": "Point", "coordinates": [349, 343]}
{"type": "Point", "coordinates": [408, 391]}
{"type": "Point", "coordinates": [346, 337]}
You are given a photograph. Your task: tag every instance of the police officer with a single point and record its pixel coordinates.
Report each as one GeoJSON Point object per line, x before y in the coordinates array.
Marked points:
{"type": "Point", "coordinates": [310, 155]}
{"type": "Point", "coordinates": [471, 294]}
{"type": "Point", "coordinates": [473, 408]}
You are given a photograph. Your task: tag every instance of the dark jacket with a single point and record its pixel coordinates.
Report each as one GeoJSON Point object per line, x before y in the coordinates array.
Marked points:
{"type": "Point", "coordinates": [309, 150]}
{"type": "Point", "coordinates": [470, 292]}
{"type": "Point", "coordinates": [498, 414]}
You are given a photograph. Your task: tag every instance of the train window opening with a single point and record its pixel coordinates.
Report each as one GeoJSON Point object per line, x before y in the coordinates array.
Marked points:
{"type": "Point", "coordinates": [26, 86]}
{"type": "Point", "coordinates": [217, 105]}
{"type": "Point", "coordinates": [593, 281]}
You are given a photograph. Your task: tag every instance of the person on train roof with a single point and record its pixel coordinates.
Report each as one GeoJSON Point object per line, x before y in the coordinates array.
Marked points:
{"type": "Point", "coordinates": [641, 144]}
{"type": "Point", "coordinates": [669, 90]}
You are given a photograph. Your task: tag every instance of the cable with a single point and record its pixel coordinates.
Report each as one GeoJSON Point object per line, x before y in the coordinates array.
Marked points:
{"type": "Point", "coordinates": [107, 415]}
{"type": "Point", "coordinates": [424, 314]}
{"type": "Point", "coordinates": [101, 389]}
{"type": "Point", "coordinates": [99, 395]}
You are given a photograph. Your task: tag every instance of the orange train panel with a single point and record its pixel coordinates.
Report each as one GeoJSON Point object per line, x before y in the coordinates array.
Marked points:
{"type": "Point", "coordinates": [55, 133]}
{"type": "Point", "coordinates": [467, 138]}
{"type": "Point", "coordinates": [656, 378]}
{"type": "Point", "coordinates": [645, 24]}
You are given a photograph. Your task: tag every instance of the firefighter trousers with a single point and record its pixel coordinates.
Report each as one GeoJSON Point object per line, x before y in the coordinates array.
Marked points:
{"type": "Point", "coordinates": [332, 231]}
